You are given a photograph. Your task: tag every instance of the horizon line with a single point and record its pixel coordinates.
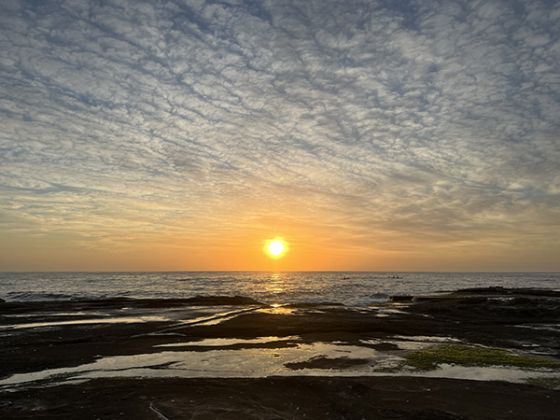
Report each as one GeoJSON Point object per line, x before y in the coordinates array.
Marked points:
{"type": "Point", "coordinates": [269, 271]}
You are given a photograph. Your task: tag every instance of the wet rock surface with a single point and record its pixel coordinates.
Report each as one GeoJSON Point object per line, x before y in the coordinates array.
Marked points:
{"type": "Point", "coordinates": [36, 336]}
{"type": "Point", "coordinates": [285, 398]}
{"type": "Point", "coordinates": [321, 362]}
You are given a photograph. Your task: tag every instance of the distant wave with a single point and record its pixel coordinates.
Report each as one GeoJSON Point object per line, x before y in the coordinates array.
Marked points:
{"type": "Point", "coordinates": [372, 299]}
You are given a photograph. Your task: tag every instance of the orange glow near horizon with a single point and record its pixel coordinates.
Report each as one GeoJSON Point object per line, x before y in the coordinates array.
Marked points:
{"type": "Point", "coordinates": [240, 241]}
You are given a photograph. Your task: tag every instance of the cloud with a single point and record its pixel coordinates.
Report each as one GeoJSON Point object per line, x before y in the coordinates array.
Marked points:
{"type": "Point", "coordinates": [393, 124]}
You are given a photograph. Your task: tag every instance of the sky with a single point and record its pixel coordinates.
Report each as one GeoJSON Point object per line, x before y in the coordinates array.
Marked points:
{"type": "Point", "coordinates": [371, 135]}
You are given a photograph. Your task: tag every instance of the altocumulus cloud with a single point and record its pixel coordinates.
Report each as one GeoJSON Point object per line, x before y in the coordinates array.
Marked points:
{"type": "Point", "coordinates": [416, 121]}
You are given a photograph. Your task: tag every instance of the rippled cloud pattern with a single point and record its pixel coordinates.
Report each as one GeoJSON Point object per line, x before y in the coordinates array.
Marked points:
{"type": "Point", "coordinates": [386, 125]}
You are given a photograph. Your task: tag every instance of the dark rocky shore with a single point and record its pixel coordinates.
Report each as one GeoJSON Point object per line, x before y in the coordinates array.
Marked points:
{"type": "Point", "coordinates": [284, 398]}
{"type": "Point", "coordinates": [479, 327]}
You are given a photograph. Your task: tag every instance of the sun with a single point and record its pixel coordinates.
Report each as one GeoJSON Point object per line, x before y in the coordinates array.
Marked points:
{"type": "Point", "coordinates": [276, 248]}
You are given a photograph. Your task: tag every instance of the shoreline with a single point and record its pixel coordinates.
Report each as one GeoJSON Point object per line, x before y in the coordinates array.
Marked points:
{"type": "Point", "coordinates": [506, 339]}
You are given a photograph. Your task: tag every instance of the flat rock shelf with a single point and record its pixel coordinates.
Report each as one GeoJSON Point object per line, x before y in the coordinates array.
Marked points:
{"type": "Point", "coordinates": [475, 353]}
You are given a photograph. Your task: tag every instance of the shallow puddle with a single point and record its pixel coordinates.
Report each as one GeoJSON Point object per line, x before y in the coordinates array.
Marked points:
{"type": "Point", "coordinates": [387, 312]}
{"type": "Point", "coordinates": [250, 363]}
{"type": "Point", "coordinates": [217, 317]}
{"type": "Point", "coordinates": [220, 342]}
{"type": "Point", "coordinates": [277, 310]}
{"type": "Point", "coordinates": [417, 342]}
{"type": "Point", "coordinates": [113, 320]}
{"type": "Point", "coordinates": [543, 327]}
{"type": "Point", "coordinates": [427, 338]}
{"type": "Point", "coordinates": [259, 362]}
{"type": "Point", "coordinates": [40, 314]}
{"type": "Point", "coordinates": [184, 316]}
{"type": "Point", "coordinates": [487, 373]}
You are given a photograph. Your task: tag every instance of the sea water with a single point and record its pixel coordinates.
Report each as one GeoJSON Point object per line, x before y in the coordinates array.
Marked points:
{"type": "Point", "coordinates": [350, 288]}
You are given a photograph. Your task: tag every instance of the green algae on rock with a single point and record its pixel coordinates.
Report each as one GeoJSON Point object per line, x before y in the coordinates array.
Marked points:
{"type": "Point", "coordinates": [466, 355]}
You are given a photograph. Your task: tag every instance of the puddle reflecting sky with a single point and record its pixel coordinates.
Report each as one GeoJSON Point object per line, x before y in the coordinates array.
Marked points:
{"type": "Point", "coordinates": [261, 362]}
{"type": "Point", "coordinates": [218, 342]}
{"type": "Point", "coordinates": [204, 315]}
{"type": "Point", "coordinates": [213, 363]}
{"type": "Point", "coordinates": [114, 320]}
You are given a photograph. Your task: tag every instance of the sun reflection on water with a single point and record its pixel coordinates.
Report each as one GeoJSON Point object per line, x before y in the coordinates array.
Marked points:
{"type": "Point", "coordinates": [277, 310]}
{"type": "Point", "coordinates": [276, 284]}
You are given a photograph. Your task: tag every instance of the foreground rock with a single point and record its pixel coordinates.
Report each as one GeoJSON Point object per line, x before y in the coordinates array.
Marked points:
{"type": "Point", "coordinates": [285, 398]}
{"type": "Point", "coordinates": [37, 336]}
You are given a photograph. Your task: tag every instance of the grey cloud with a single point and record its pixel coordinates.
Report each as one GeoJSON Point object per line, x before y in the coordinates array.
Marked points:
{"type": "Point", "coordinates": [438, 117]}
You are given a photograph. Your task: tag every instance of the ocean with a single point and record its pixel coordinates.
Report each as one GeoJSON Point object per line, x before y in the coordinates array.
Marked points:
{"type": "Point", "coordinates": [349, 288]}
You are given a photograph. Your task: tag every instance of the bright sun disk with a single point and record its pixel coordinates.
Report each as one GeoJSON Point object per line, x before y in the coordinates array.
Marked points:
{"type": "Point", "coordinates": [276, 248]}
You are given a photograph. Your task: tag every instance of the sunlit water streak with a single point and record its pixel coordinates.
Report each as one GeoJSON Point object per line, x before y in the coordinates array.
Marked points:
{"type": "Point", "coordinates": [352, 288]}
